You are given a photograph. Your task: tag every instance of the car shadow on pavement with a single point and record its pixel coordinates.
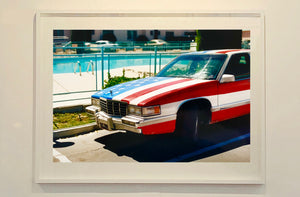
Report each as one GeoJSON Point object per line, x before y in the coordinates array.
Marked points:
{"type": "Point", "coordinates": [62, 144]}
{"type": "Point", "coordinates": [161, 148]}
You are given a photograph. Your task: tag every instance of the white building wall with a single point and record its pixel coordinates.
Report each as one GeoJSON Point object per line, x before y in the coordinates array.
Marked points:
{"type": "Point", "coordinates": [96, 35]}
{"type": "Point", "coordinates": [18, 100]}
{"type": "Point", "coordinates": [121, 35]}
{"type": "Point", "coordinates": [67, 33]}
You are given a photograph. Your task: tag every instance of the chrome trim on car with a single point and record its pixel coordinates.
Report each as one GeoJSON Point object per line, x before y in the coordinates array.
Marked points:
{"type": "Point", "coordinates": [157, 120]}
{"type": "Point", "coordinates": [92, 109]}
{"type": "Point", "coordinates": [129, 123]}
{"type": "Point", "coordinates": [230, 105]}
{"type": "Point", "coordinates": [132, 119]}
{"type": "Point", "coordinates": [221, 71]}
{"type": "Point", "coordinates": [110, 123]}
{"type": "Point", "coordinates": [112, 107]}
{"type": "Point", "coordinates": [211, 99]}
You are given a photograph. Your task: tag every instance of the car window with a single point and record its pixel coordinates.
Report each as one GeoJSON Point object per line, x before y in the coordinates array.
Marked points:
{"type": "Point", "coordinates": [180, 68]}
{"type": "Point", "coordinates": [239, 66]}
{"type": "Point", "coordinates": [194, 66]}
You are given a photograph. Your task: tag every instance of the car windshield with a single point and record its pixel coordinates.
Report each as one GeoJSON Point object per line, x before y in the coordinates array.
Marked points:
{"type": "Point", "coordinates": [201, 66]}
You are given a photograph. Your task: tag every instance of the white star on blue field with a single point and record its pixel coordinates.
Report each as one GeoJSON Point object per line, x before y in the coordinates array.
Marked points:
{"type": "Point", "coordinates": [110, 92]}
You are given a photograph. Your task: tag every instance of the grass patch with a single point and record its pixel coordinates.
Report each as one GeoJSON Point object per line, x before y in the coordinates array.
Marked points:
{"type": "Point", "coordinates": [66, 120]}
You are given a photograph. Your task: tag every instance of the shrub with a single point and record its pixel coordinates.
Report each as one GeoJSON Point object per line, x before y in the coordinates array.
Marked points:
{"type": "Point", "coordinates": [117, 80]}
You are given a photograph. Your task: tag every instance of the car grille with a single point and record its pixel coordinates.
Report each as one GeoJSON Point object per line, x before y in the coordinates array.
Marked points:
{"type": "Point", "coordinates": [115, 108]}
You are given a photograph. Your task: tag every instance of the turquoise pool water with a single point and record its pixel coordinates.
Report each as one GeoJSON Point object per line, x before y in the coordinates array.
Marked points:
{"type": "Point", "coordinates": [69, 64]}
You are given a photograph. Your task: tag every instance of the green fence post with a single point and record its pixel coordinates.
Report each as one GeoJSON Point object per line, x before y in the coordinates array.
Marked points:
{"type": "Point", "coordinates": [108, 62]}
{"type": "Point", "coordinates": [96, 68]}
{"type": "Point", "coordinates": [102, 66]}
{"type": "Point", "coordinates": [155, 59]}
{"type": "Point", "coordinates": [150, 66]}
{"type": "Point", "coordinates": [159, 61]}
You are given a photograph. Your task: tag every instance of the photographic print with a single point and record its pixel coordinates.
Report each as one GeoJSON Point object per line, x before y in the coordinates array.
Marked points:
{"type": "Point", "coordinates": [149, 98]}
{"type": "Point", "coordinates": [151, 95]}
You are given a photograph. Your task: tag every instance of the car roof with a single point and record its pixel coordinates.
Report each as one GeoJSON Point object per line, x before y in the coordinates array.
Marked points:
{"type": "Point", "coordinates": [157, 40]}
{"type": "Point", "coordinates": [102, 41]}
{"type": "Point", "coordinates": [222, 51]}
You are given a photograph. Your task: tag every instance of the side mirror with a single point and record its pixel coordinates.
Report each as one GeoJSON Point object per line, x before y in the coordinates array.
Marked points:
{"type": "Point", "coordinates": [227, 78]}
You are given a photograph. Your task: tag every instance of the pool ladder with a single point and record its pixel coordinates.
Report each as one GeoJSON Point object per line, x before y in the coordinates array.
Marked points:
{"type": "Point", "coordinates": [91, 63]}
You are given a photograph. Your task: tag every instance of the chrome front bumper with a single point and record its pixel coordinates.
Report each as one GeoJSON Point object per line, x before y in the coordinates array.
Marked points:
{"type": "Point", "coordinates": [105, 121]}
{"type": "Point", "coordinates": [127, 123]}
{"type": "Point", "coordinates": [92, 110]}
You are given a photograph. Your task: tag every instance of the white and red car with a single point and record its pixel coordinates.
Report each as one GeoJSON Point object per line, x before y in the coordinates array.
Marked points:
{"type": "Point", "coordinates": [193, 90]}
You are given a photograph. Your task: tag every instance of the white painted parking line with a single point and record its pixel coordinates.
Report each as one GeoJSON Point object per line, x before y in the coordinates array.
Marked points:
{"type": "Point", "coordinates": [209, 148]}
{"type": "Point", "coordinates": [60, 157]}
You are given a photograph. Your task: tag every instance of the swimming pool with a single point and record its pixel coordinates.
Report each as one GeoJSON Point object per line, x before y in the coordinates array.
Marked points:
{"type": "Point", "coordinates": [70, 63]}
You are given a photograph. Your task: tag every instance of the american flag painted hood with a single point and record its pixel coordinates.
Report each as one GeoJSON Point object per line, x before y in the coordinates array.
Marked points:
{"type": "Point", "coordinates": [158, 90]}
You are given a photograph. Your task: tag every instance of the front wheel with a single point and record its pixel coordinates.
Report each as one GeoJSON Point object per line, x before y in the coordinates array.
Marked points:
{"type": "Point", "coordinates": [191, 121]}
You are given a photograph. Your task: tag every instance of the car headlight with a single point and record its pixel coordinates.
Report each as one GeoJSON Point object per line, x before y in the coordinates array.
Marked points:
{"type": "Point", "coordinates": [95, 102]}
{"type": "Point", "coordinates": [144, 111]}
{"type": "Point", "coordinates": [134, 110]}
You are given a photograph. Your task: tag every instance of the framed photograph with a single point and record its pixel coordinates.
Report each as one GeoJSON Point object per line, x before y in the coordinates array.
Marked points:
{"type": "Point", "coordinates": [170, 93]}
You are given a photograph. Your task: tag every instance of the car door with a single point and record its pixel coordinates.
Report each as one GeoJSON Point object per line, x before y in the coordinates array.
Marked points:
{"type": "Point", "coordinates": [234, 94]}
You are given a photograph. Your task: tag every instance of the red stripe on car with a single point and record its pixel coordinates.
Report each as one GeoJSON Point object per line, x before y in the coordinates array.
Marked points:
{"type": "Point", "coordinates": [160, 128]}
{"type": "Point", "coordinates": [230, 113]}
{"type": "Point", "coordinates": [236, 86]}
{"type": "Point", "coordinates": [228, 51]}
{"type": "Point", "coordinates": [148, 90]}
{"type": "Point", "coordinates": [207, 88]}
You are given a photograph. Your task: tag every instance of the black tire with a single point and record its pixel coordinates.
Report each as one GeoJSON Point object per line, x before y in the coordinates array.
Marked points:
{"type": "Point", "coordinates": [191, 120]}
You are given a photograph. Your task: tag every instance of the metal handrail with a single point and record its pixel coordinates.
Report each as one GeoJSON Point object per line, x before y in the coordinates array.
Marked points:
{"type": "Point", "coordinates": [93, 67]}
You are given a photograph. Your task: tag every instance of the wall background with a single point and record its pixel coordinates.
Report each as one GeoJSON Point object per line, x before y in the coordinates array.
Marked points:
{"type": "Point", "coordinates": [17, 39]}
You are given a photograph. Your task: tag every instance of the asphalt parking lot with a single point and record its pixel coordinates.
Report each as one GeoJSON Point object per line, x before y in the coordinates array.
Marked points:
{"type": "Point", "coordinates": [228, 141]}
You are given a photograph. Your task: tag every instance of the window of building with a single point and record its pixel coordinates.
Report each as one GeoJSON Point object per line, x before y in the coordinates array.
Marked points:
{"type": "Point", "coordinates": [169, 35]}
{"type": "Point", "coordinates": [58, 32]}
{"type": "Point", "coordinates": [131, 35]}
{"type": "Point", "coordinates": [108, 32]}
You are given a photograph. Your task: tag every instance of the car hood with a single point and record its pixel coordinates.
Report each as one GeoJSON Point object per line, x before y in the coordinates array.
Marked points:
{"type": "Point", "coordinates": [158, 90]}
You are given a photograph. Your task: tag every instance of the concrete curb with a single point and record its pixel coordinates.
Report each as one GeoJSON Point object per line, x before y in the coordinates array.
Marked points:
{"type": "Point", "coordinates": [73, 131]}
{"type": "Point", "coordinates": [70, 109]}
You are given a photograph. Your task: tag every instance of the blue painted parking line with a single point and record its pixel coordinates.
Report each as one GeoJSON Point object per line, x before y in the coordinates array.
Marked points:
{"type": "Point", "coordinates": [209, 148]}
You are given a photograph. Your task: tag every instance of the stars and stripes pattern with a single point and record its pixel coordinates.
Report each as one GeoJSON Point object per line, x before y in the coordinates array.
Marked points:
{"type": "Point", "coordinates": [139, 91]}
{"type": "Point", "coordinates": [144, 91]}
{"type": "Point", "coordinates": [228, 100]}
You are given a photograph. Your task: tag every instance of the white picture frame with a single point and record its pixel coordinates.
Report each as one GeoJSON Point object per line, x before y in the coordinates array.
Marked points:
{"type": "Point", "coordinates": [46, 171]}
